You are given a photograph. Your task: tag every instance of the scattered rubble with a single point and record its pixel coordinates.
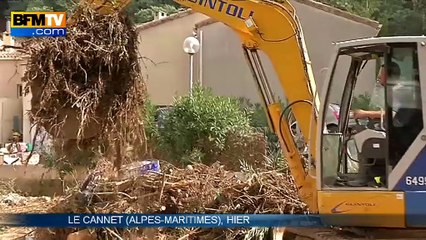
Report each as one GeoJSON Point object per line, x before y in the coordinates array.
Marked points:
{"type": "Point", "coordinates": [19, 154]}
{"type": "Point", "coordinates": [17, 203]}
{"type": "Point", "coordinates": [12, 199]}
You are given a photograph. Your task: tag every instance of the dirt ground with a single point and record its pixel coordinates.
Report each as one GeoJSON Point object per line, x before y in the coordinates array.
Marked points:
{"type": "Point", "coordinates": [11, 202]}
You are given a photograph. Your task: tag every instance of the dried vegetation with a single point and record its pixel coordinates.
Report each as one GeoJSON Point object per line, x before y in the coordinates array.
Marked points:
{"type": "Point", "coordinates": [195, 189]}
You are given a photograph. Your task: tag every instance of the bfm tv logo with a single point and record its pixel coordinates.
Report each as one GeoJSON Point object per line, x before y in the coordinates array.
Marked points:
{"type": "Point", "coordinates": [38, 24]}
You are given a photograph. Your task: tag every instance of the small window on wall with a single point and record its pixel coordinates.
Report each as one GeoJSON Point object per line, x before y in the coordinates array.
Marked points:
{"type": "Point", "coordinates": [19, 90]}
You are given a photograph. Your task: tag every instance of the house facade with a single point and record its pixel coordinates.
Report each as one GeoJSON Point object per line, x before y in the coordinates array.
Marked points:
{"type": "Point", "coordinates": [165, 64]}
{"type": "Point", "coordinates": [12, 116]}
{"type": "Point", "coordinates": [14, 103]}
{"type": "Point", "coordinates": [220, 63]}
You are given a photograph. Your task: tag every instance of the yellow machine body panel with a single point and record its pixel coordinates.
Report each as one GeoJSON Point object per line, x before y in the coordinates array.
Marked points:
{"type": "Point", "coordinates": [363, 208]}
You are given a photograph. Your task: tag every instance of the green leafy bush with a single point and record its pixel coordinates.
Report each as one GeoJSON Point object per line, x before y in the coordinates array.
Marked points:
{"type": "Point", "coordinates": [148, 116]}
{"type": "Point", "coordinates": [256, 112]}
{"type": "Point", "coordinates": [364, 101]}
{"type": "Point", "coordinates": [201, 123]}
{"type": "Point", "coordinates": [259, 121]}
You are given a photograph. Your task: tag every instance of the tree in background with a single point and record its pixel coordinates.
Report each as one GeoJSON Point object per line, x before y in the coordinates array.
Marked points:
{"type": "Point", "coordinates": [140, 11]}
{"type": "Point", "coordinates": [41, 5]}
{"type": "Point", "coordinates": [364, 101]}
{"type": "Point", "coordinates": [3, 7]}
{"type": "Point", "coordinates": [144, 10]}
{"type": "Point", "coordinates": [399, 17]}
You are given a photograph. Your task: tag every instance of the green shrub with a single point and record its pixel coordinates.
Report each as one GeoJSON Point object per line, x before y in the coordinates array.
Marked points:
{"type": "Point", "coordinates": [148, 117]}
{"type": "Point", "coordinates": [259, 121]}
{"type": "Point", "coordinates": [364, 101]}
{"type": "Point", "coordinates": [256, 113]}
{"type": "Point", "coordinates": [200, 119]}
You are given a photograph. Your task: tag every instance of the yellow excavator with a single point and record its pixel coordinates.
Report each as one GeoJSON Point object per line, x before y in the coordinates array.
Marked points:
{"type": "Point", "coordinates": [386, 191]}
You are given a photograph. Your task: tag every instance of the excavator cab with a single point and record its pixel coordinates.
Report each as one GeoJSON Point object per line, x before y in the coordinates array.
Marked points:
{"type": "Point", "coordinates": [380, 157]}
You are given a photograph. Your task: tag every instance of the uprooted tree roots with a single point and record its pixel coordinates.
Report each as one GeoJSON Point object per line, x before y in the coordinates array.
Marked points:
{"type": "Point", "coordinates": [88, 85]}
{"type": "Point", "coordinates": [199, 189]}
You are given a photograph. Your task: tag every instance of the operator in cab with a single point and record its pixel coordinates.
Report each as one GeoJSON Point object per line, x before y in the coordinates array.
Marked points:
{"type": "Point", "coordinates": [393, 72]}
{"type": "Point", "coordinates": [406, 107]}
{"type": "Point", "coordinates": [403, 98]}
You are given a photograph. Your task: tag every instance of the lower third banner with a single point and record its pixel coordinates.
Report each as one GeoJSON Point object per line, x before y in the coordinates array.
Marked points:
{"type": "Point", "coordinates": [160, 220]}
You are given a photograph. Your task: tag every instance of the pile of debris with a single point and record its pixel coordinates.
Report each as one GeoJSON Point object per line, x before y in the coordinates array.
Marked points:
{"type": "Point", "coordinates": [88, 85]}
{"type": "Point", "coordinates": [194, 189]}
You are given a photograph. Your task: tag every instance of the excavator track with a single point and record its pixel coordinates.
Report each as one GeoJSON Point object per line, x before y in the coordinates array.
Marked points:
{"type": "Point", "coordinates": [346, 234]}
